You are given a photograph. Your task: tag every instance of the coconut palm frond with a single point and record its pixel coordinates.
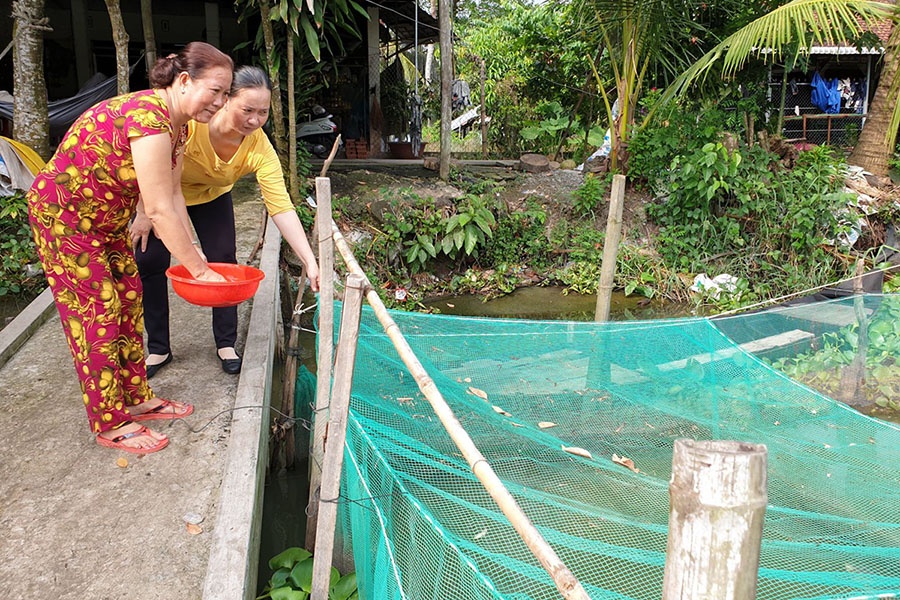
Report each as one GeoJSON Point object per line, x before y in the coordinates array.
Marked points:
{"type": "Point", "coordinates": [803, 22]}
{"type": "Point", "coordinates": [826, 21]}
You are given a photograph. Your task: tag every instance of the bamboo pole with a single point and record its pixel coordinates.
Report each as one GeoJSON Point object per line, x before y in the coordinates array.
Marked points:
{"type": "Point", "coordinates": [324, 355]}
{"type": "Point", "coordinates": [565, 581]}
{"type": "Point", "coordinates": [337, 435]}
{"type": "Point", "coordinates": [718, 503]}
{"type": "Point", "coordinates": [610, 248]}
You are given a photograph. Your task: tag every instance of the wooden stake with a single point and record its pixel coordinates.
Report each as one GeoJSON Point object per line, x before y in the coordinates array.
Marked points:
{"type": "Point", "coordinates": [610, 248]}
{"type": "Point", "coordinates": [853, 376]}
{"type": "Point", "coordinates": [324, 356]}
{"type": "Point", "coordinates": [566, 582]}
{"type": "Point", "coordinates": [718, 502]}
{"type": "Point", "coordinates": [337, 435]}
{"type": "Point", "coordinates": [291, 362]}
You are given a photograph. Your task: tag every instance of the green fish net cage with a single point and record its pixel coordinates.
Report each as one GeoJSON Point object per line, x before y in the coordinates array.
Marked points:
{"type": "Point", "coordinates": [419, 525]}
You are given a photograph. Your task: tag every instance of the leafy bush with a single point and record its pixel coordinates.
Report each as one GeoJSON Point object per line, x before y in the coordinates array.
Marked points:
{"type": "Point", "coordinates": [519, 238]}
{"type": "Point", "coordinates": [469, 229]}
{"type": "Point", "coordinates": [292, 579]}
{"type": "Point", "coordinates": [414, 232]}
{"type": "Point", "coordinates": [729, 208]}
{"type": "Point", "coordinates": [590, 193]}
{"type": "Point", "coordinates": [17, 250]}
{"type": "Point", "coordinates": [671, 134]}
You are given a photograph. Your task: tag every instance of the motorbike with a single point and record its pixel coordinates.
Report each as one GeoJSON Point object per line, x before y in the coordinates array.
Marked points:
{"type": "Point", "coordinates": [318, 133]}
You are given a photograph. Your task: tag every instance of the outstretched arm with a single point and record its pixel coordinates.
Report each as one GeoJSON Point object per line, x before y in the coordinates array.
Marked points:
{"type": "Point", "coordinates": [160, 191]}
{"type": "Point", "coordinates": [291, 229]}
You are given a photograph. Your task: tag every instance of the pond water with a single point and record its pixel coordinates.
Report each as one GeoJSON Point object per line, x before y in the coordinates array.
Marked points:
{"type": "Point", "coordinates": [553, 303]}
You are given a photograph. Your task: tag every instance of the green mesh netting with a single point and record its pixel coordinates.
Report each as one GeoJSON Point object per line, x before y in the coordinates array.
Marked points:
{"type": "Point", "coordinates": [421, 526]}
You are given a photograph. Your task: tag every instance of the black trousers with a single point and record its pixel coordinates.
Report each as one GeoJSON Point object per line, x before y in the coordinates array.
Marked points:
{"type": "Point", "coordinates": [214, 224]}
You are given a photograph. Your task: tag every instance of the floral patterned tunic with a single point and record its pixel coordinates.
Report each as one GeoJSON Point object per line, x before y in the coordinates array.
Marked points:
{"type": "Point", "coordinates": [79, 209]}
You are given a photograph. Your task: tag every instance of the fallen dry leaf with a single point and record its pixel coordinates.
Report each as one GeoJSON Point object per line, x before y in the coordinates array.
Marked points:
{"type": "Point", "coordinates": [577, 451]}
{"type": "Point", "coordinates": [193, 529]}
{"type": "Point", "coordinates": [546, 424]}
{"type": "Point", "coordinates": [625, 462]}
{"type": "Point", "coordinates": [476, 392]}
{"type": "Point", "coordinates": [122, 462]}
{"type": "Point", "coordinates": [500, 411]}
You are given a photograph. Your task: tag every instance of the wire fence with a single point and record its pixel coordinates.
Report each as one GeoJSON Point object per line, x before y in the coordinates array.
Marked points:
{"type": "Point", "coordinates": [805, 122]}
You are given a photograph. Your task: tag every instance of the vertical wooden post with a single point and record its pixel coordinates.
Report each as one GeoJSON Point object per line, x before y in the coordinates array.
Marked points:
{"type": "Point", "coordinates": [804, 128]}
{"type": "Point", "coordinates": [610, 248]}
{"type": "Point", "coordinates": [853, 376]}
{"type": "Point", "coordinates": [718, 502]}
{"type": "Point", "coordinates": [337, 435]}
{"type": "Point", "coordinates": [324, 355]}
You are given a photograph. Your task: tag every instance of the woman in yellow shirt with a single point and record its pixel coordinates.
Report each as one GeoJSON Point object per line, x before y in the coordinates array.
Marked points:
{"type": "Point", "coordinates": [217, 154]}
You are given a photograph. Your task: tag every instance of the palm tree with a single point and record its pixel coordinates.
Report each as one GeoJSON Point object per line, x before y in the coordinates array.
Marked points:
{"type": "Point", "coordinates": [637, 37]}
{"type": "Point", "coordinates": [878, 136]}
{"type": "Point", "coordinates": [640, 33]}
{"type": "Point", "coordinates": [814, 22]}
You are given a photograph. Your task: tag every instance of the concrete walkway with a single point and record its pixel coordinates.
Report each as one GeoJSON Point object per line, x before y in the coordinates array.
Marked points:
{"type": "Point", "coordinates": [75, 525]}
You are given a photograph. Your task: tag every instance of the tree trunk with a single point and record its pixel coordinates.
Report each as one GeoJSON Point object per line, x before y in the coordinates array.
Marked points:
{"type": "Point", "coordinates": [293, 180]}
{"type": "Point", "coordinates": [277, 109]}
{"type": "Point", "coordinates": [120, 39]}
{"type": "Point", "coordinates": [875, 144]}
{"type": "Point", "coordinates": [149, 35]}
{"type": "Point", "coordinates": [31, 121]}
{"type": "Point", "coordinates": [446, 45]}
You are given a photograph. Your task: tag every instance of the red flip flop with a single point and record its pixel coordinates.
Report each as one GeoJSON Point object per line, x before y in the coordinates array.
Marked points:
{"type": "Point", "coordinates": [116, 442]}
{"type": "Point", "coordinates": [156, 414]}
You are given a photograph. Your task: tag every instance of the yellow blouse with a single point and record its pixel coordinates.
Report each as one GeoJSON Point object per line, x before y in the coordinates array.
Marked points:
{"type": "Point", "coordinates": [206, 176]}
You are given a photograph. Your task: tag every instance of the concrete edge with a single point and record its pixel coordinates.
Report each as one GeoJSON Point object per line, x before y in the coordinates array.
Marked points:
{"type": "Point", "coordinates": [231, 572]}
{"type": "Point", "coordinates": [25, 324]}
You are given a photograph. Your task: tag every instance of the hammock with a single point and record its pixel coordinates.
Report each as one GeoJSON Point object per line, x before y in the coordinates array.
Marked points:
{"type": "Point", "coordinates": [420, 525]}
{"type": "Point", "coordinates": [64, 111]}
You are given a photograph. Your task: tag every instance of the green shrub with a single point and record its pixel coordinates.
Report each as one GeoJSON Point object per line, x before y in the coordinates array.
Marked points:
{"type": "Point", "coordinates": [17, 251]}
{"type": "Point", "coordinates": [591, 193]}
{"type": "Point", "coordinates": [292, 579]}
{"type": "Point", "coordinates": [730, 210]}
{"type": "Point", "coordinates": [519, 238]}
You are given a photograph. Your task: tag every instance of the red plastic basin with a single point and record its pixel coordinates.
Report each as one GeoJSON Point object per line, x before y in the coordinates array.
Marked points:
{"type": "Point", "coordinates": [241, 283]}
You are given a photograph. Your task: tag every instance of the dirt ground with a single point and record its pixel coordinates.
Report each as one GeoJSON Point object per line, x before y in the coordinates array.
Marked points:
{"type": "Point", "coordinates": [370, 188]}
